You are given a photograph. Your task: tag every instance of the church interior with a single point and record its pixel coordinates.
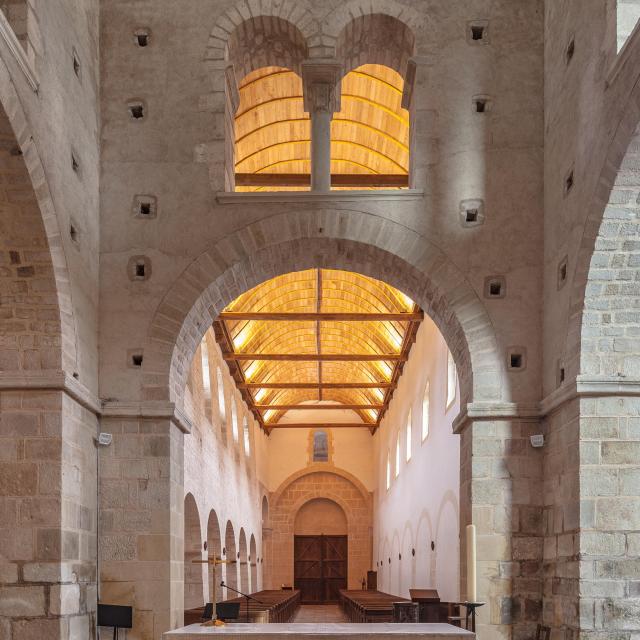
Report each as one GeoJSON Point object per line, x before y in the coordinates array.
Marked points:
{"type": "Point", "coordinates": [320, 318]}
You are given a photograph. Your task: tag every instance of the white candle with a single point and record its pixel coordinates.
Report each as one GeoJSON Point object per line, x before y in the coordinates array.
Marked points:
{"type": "Point", "coordinates": [471, 563]}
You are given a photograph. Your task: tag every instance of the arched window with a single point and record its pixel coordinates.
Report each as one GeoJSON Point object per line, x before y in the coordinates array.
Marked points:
{"type": "Point", "coordinates": [388, 483]}
{"type": "Point", "coordinates": [425, 411]}
{"type": "Point", "coordinates": [247, 436]}
{"type": "Point", "coordinates": [221, 403]}
{"type": "Point", "coordinates": [234, 420]}
{"type": "Point", "coordinates": [452, 379]}
{"type": "Point", "coordinates": [206, 380]}
{"type": "Point", "coordinates": [398, 455]}
{"type": "Point", "coordinates": [320, 446]}
{"type": "Point", "coordinates": [409, 436]}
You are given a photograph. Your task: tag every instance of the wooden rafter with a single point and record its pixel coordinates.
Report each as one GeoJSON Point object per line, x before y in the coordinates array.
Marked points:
{"type": "Point", "coordinates": [414, 316]}
{"type": "Point", "coordinates": [352, 180]}
{"type": "Point", "coordinates": [318, 425]}
{"type": "Point", "coordinates": [314, 385]}
{"type": "Point", "coordinates": [314, 357]}
{"type": "Point", "coordinates": [318, 407]}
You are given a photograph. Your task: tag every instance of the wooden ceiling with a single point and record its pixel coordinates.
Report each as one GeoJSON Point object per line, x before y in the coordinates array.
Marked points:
{"type": "Point", "coordinates": [370, 134]}
{"type": "Point", "coordinates": [318, 339]}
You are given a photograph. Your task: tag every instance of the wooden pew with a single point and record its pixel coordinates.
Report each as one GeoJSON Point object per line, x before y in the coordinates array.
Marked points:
{"type": "Point", "coordinates": [368, 606]}
{"type": "Point", "coordinates": [273, 606]}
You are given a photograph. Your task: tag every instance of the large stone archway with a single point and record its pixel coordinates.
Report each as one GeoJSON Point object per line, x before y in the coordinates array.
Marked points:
{"type": "Point", "coordinates": [350, 240]}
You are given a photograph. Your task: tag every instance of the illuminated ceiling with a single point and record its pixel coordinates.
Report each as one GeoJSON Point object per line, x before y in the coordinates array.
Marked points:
{"type": "Point", "coordinates": [370, 134]}
{"type": "Point", "coordinates": [318, 336]}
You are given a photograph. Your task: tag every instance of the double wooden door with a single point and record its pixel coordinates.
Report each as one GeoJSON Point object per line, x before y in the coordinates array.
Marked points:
{"type": "Point", "coordinates": [320, 567]}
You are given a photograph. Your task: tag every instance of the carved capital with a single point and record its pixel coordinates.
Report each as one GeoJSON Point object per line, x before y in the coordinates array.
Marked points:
{"type": "Point", "coordinates": [321, 82]}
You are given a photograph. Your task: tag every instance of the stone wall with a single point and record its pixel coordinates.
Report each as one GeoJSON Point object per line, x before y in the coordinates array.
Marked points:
{"type": "Point", "coordinates": [328, 483]}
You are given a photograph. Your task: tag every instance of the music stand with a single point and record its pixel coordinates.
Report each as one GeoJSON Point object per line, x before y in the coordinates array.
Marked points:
{"type": "Point", "coordinates": [116, 616]}
{"type": "Point", "coordinates": [227, 610]}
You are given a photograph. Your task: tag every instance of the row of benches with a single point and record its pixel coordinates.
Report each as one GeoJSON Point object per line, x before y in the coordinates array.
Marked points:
{"type": "Point", "coordinates": [376, 606]}
{"type": "Point", "coordinates": [265, 606]}
{"type": "Point", "coordinates": [368, 606]}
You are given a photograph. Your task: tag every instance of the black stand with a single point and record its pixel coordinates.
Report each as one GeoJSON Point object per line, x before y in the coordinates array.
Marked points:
{"type": "Point", "coordinates": [244, 595]}
{"type": "Point", "coordinates": [471, 613]}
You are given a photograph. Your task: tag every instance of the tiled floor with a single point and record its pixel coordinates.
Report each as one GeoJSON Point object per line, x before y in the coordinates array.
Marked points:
{"type": "Point", "coordinates": [320, 613]}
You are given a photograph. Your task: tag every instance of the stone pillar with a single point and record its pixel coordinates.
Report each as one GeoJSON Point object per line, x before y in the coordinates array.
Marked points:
{"type": "Point", "coordinates": [321, 100]}
{"type": "Point", "coordinates": [265, 560]}
{"type": "Point", "coordinates": [47, 512]}
{"type": "Point", "coordinates": [141, 545]}
{"type": "Point", "coordinates": [501, 493]}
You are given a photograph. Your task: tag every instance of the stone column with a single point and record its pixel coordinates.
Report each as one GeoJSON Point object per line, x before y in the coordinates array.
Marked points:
{"type": "Point", "coordinates": [141, 527]}
{"type": "Point", "coordinates": [321, 100]}
{"type": "Point", "coordinates": [47, 509]}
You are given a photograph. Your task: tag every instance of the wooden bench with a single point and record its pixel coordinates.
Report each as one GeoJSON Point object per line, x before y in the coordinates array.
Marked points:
{"type": "Point", "coordinates": [272, 606]}
{"type": "Point", "coordinates": [368, 606]}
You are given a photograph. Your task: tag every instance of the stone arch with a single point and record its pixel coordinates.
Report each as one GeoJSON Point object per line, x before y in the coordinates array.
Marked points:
{"type": "Point", "coordinates": [193, 583]}
{"type": "Point", "coordinates": [336, 21]}
{"type": "Point", "coordinates": [265, 42]}
{"type": "Point", "coordinates": [296, 491]}
{"type": "Point", "coordinates": [230, 553]}
{"type": "Point", "coordinates": [297, 14]}
{"type": "Point", "coordinates": [623, 118]}
{"type": "Point", "coordinates": [351, 240]}
{"type": "Point", "coordinates": [214, 549]}
{"type": "Point", "coordinates": [316, 468]}
{"type": "Point", "coordinates": [375, 38]}
{"type": "Point", "coordinates": [243, 560]}
{"type": "Point", "coordinates": [36, 195]}
{"type": "Point", "coordinates": [253, 564]}
{"type": "Point", "coordinates": [408, 561]}
{"type": "Point", "coordinates": [265, 511]}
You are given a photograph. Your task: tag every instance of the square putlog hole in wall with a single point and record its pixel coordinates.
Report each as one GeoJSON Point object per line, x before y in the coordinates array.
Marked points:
{"type": "Point", "coordinates": [142, 37]}
{"type": "Point", "coordinates": [136, 109]}
{"type": "Point", "coordinates": [517, 359]}
{"type": "Point", "coordinates": [471, 213]}
{"type": "Point", "coordinates": [139, 268]}
{"type": "Point", "coordinates": [135, 358]}
{"type": "Point", "coordinates": [481, 104]}
{"type": "Point", "coordinates": [145, 206]}
{"type": "Point", "coordinates": [478, 32]}
{"type": "Point", "coordinates": [562, 272]}
{"type": "Point", "coordinates": [495, 287]}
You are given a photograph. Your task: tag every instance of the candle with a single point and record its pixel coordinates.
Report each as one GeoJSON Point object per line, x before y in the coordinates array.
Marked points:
{"type": "Point", "coordinates": [471, 563]}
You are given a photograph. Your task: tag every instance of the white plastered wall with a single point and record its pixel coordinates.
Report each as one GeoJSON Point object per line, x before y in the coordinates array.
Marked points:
{"type": "Point", "coordinates": [422, 503]}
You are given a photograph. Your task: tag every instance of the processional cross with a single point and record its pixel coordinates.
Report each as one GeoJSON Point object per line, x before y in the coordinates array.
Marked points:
{"type": "Point", "coordinates": [214, 562]}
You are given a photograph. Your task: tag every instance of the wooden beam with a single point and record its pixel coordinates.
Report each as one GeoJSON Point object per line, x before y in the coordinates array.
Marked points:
{"type": "Point", "coordinates": [314, 357]}
{"type": "Point", "coordinates": [318, 425]}
{"type": "Point", "coordinates": [409, 316]}
{"type": "Point", "coordinates": [322, 407]}
{"type": "Point", "coordinates": [354, 180]}
{"type": "Point", "coordinates": [314, 385]}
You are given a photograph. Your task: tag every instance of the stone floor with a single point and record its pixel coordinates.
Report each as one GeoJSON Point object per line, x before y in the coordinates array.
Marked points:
{"type": "Point", "coordinates": [320, 613]}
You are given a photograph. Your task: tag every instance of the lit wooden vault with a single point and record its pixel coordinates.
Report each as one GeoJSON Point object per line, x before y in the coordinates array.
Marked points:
{"type": "Point", "coordinates": [369, 135]}
{"type": "Point", "coordinates": [335, 337]}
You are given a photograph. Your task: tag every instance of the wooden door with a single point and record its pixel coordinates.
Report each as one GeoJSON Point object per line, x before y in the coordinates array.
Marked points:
{"type": "Point", "coordinates": [320, 567]}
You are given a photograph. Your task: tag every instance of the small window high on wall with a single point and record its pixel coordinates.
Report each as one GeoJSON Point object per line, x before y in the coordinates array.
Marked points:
{"type": "Point", "coordinates": [425, 411]}
{"type": "Point", "coordinates": [221, 404]}
{"type": "Point", "coordinates": [320, 446]}
{"type": "Point", "coordinates": [206, 379]}
{"type": "Point", "coordinates": [234, 420]}
{"type": "Point", "coordinates": [388, 482]}
{"type": "Point", "coordinates": [452, 379]}
{"type": "Point", "coordinates": [247, 436]}
{"type": "Point", "coordinates": [397, 469]}
{"type": "Point", "coordinates": [409, 436]}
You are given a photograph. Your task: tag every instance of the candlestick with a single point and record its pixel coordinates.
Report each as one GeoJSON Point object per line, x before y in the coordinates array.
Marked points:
{"type": "Point", "coordinates": [471, 563]}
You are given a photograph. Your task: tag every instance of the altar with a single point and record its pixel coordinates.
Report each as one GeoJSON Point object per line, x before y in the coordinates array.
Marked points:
{"type": "Point", "coordinates": [322, 631]}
